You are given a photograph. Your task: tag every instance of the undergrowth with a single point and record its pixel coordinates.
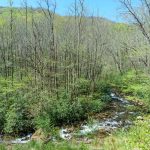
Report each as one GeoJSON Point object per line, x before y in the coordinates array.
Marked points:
{"type": "Point", "coordinates": [136, 138]}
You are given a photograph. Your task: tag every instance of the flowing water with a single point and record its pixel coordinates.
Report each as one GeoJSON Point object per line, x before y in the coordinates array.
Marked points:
{"type": "Point", "coordinates": [119, 118]}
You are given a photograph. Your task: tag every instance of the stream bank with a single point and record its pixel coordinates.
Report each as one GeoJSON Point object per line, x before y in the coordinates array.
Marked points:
{"type": "Point", "coordinates": [103, 124]}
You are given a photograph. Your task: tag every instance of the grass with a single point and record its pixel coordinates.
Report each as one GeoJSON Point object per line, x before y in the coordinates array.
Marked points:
{"type": "Point", "coordinates": [50, 146]}
{"type": "Point", "coordinates": [137, 138]}
{"type": "Point", "coordinates": [133, 86]}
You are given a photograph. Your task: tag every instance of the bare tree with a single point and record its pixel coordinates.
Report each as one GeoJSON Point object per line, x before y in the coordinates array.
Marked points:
{"type": "Point", "coordinates": [140, 15]}
{"type": "Point", "coordinates": [141, 19]}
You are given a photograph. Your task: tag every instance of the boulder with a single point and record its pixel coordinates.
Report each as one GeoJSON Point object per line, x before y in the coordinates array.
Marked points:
{"type": "Point", "coordinates": [65, 134]}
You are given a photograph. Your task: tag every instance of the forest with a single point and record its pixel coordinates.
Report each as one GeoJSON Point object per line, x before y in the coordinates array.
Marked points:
{"type": "Point", "coordinates": [74, 82]}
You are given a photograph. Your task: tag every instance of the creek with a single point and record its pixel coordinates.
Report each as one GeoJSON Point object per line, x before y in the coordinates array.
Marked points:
{"type": "Point", "coordinates": [116, 116]}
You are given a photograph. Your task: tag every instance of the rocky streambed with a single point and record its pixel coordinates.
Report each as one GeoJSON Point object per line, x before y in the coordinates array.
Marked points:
{"type": "Point", "coordinates": [116, 116]}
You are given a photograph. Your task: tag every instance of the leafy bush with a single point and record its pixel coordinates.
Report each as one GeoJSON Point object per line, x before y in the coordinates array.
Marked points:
{"type": "Point", "coordinates": [2, 114]}
{"type": "Point", "coordinates": [17, 117]}
{"type": "Point", "coordinates": [62, 110]}
{"type": "Point", "coordinates": [91, 105]}
{"type": "Point", "coordinates": [14, 115]}
{"type": "Point", "coordinates": [44, 122]}
{"type": "Point", "coordinates": [102, 87]}
{"type": "Point", "coordinates": [66, 110]}
{"type": "Point", "coordinates": [30, 108]}
{"type": "Point", "coordinates": [83, 86]}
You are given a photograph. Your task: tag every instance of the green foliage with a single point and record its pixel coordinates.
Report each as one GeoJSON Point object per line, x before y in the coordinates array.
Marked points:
{"type": "Point", "coordinates": [30, 108]}
{"type": "Point", "coordinates": [55, 111]}
{"type": "Point", "coordinates": [83, 86]}
{"type": "Point", "coordinates": [134, 86]}
{"type": "Point", "coordinates": [51, 146]}
{"type": "Point", "coordinates": [12, 106]}
{"type": "Point", "coordinates": [59, 111]}
{"type": "Point", "coordinates": [2, 114]}
{"type": "Point", "coordinates": [91, 105]}
{"type": "Point", "coordinates": [136, 138]}
{"type": "Point", "coordinates": [16, 118]}
{"type": "Point", "coordinates": [44, 122]}
{"type": "Point", "coordinates": [2, 147]}
{"type": "Point", "coordinates": [121, 27]}
{"type": "Point", "coordinates": [102, 87]}
{"type": "Point", "coordinates": [7, 88]}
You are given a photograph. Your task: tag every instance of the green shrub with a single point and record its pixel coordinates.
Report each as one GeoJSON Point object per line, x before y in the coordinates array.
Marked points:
{"type": "Point", "coordinates": [17, 117]}
{"type": "Point", "coordinates": [29, 108]}
{"type": "Point", "coordinates": [66, 110]}
{"type": "Point", "coordinates": [44, 122]}
{"type": "Point", "coordinates": [83, 86]}
{"type": "Point", "coordinates": [14, 114]}
{"type": "Point", "coordinates": [90, 105]}
{"type": "Point", "coordinates": [2, 114]}
{"type": "Point", "coordinates": [62, 110]}
{"type": "Point", "coordinates": [102, 87]}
